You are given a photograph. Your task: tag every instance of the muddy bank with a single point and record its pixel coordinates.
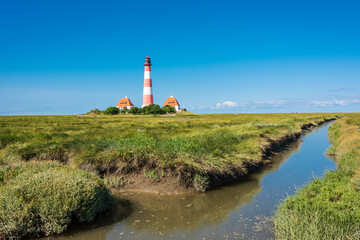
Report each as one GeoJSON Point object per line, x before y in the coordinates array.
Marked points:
{"type": "Point", "coordinates": [173, 183]}
{"type": "Point", "coordinates": [137, 182]}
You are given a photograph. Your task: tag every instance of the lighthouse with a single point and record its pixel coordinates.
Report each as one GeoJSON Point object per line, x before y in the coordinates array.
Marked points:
{"type": "Point", "coordinates": [148, 94]}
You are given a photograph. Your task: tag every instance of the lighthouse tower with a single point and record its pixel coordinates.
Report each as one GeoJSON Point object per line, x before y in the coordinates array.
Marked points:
{"type": "Point", "coordinates": [148, 95]}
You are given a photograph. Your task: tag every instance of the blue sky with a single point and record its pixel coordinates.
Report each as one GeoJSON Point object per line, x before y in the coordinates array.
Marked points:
{"type": "Point", "coordinates": [67, 57]}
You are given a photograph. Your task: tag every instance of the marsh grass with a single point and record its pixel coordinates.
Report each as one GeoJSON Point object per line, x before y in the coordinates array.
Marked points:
{"type": "Point", "coordinates": [152, 174]}
{"type": "Point", "coordinates": [181, 145]}
{"type": "Point", "coordinates": [328, 208]}
{"type": "Point", "coordinates": [50, 165]}
{"type": "Point", "coordinates": [42, 198]}
{"type": "Point", "coordinates": [114, 181]}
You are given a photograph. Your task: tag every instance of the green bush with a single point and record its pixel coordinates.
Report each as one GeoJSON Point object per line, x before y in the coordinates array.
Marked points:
{"type": "Point", "coordinates": [95, 111]}
{"type": "Point", "coordinates": [124, 110]}
{"type": "Point", "coordinates": [135, 110]}
{"type": "Point", "coordinates": [151, 109]}
{"type": "Point", "coordinates": [167, 109]}
{"type": "Point", "coordinates": [112, 111]}
{"type": "Point", "coordinates": [44, 197]}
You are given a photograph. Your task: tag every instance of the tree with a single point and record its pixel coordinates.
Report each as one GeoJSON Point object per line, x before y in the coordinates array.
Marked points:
{"type": "Point", "coordinates": [135, 110]}
{"type": "Point", "coordinates": [155, 109]}
{"type": "Point", "coordinates": [151, 109]}
{"type": "Point", "coordinates": [112, 111]}
{"type": "Point", "coordinates": [167, 109]}
{"type": "Point", "coordinates": [140, 111]}
{"type": "Point", "coordinates": [146, 110]}
{"type": "Point", "coordinates": [95, 111]}
{"type": "Point", "coordinates": [124, 110]}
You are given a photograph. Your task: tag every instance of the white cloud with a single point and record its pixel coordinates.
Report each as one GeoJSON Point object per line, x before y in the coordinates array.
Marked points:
{"type": "Point", "coordinates": [334, 102]}
{"type": "Point", "coordinates": [225, 105]}
{"type": "Point", "coordinates": [280, 103]}
{"type": "Point", "coordinates": [268, 103]}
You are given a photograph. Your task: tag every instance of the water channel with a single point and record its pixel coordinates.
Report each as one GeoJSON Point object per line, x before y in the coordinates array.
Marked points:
{"type": "Point", "coordinates": [240, 210]}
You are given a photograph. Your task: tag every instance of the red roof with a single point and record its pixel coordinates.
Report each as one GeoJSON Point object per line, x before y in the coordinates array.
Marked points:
{"type": "Point", "coordinates": [124, 102]}
{"type": "Point", "coordinates": [171, 101]}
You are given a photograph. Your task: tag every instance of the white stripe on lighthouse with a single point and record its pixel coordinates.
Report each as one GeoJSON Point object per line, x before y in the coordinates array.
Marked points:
{"type": "Point", "coordinates": [147, 75]}
{"type": "Point", "coordinates": [147, 90]}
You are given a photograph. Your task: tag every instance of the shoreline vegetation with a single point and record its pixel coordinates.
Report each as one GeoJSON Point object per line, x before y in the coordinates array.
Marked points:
{"type": "Point", "coordinates": [328, 208]}
{"type": "Point", "coordinates": [163, 154]}
{"type": "Point", "coordinates": [43, 198]}
{"type": "Point", "coordinates": [152, 109]}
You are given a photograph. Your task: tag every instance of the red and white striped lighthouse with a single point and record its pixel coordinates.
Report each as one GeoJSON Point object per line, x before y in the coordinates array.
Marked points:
{"type": "Point", "coordinates": [148, 95]}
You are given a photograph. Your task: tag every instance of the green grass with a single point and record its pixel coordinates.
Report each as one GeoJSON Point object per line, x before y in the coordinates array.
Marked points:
{"type": "Point", "coordinates": [42, 198]}
{"type": "Point", "coordinates": [185, 145]}
{"type": "Point", "coordinates": [114, 181]}
{"type": "Point", "coordinates": [49, 165]}
{"type": "Point", "coordinates": [328, 208]}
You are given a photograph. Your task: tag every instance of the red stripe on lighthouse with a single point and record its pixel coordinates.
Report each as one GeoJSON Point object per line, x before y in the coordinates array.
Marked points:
{"type": "Point", "coordinates": [148, 99]}
{"type": "Point", "coordinates": [147, 83]}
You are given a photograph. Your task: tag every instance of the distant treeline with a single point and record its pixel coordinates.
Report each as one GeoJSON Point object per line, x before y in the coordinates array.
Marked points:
{"type": "Point", "coordinates": [147, 110]}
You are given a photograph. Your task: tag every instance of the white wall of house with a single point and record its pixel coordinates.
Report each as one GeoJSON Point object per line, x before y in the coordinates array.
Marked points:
{"type": "Point", "coordinates": [128, 107]}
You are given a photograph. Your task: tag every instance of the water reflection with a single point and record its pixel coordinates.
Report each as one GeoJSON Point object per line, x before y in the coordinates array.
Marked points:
{"type": "Point", "coordinates": [241, 209]}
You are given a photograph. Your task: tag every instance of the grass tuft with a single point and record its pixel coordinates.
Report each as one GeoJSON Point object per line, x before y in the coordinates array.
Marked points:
{"type": "Point", "coordinates": [328, 208]}
{"type": "Point", "coordinates": [43, 198]}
